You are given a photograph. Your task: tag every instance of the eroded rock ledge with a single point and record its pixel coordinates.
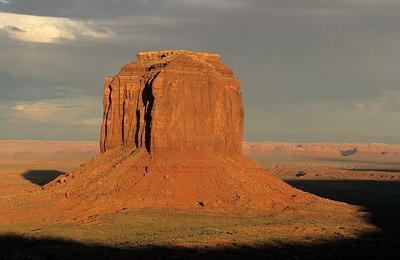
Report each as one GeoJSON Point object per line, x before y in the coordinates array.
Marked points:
{"type": "Point", "coordinates": [173, 100]}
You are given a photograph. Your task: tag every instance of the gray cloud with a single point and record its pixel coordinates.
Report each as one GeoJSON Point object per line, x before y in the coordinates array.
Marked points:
{"type": "Point", "coordinates": [91, 9]}
{"type": "Point", "coordinates": [311, 67]}
{"type": "Point", "coordinates": [13, 29]}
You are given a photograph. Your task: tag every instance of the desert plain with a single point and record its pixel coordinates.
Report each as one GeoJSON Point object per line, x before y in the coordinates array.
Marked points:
{"type": "Point", "coordinates": [365, 186]}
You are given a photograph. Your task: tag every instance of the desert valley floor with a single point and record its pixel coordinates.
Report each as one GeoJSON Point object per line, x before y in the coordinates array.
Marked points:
{"type": "Point", "coordinates": [368, 179]}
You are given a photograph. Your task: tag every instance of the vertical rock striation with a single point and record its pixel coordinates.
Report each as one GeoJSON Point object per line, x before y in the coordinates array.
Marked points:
{"type": "Point", "coordinates": [173, 101]}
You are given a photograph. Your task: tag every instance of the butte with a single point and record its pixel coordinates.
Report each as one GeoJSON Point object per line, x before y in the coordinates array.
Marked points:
{"type": "Point", "coordinates": [171, 138]}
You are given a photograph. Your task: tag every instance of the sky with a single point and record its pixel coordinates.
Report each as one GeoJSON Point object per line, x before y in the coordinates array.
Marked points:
{"type": "Point", "coordinates": [310, 70]}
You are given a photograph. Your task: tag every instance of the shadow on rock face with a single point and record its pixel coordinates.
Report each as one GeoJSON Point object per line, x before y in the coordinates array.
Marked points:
{"type": "Point", "coordinates": [41, 177]}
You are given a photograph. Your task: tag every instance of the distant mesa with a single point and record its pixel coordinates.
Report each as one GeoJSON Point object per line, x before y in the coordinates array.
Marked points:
{"type": "Point", "coordinates": [322, 149]}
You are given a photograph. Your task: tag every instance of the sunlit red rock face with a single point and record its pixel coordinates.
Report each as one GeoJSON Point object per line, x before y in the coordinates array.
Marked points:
{"type": "Point", "coordinates": [173, 101]}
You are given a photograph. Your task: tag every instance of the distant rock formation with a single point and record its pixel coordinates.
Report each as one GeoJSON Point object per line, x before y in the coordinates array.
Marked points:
{"type": "Point", "coordinates": [322, 149]}
{"type": "Point", "coordinates": [173, 100]}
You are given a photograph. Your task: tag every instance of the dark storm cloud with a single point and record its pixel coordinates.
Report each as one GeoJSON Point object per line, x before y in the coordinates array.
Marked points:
{"type": "Point", "coordinates": [91, 9]}
{"type": "Point", "coordinates": [307, 68]}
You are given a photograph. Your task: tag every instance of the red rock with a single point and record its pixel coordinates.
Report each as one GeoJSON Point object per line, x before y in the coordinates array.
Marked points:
{"type": "Point", "coordinates": [173, 100]}
{"type": "Point", "coordinates": [171, 139]}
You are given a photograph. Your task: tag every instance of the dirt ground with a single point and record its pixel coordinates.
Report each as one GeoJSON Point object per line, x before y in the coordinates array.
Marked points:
{"type": "Point", "coordinates": [370, 230]}
{"type": "Point", "coordinates": [287, 166]}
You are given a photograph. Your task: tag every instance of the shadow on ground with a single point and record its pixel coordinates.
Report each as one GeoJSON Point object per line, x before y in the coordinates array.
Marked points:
{"type": "Point", "coordinates": [381, 199]}
{"type": "Point", "coordinates": [41, 177]}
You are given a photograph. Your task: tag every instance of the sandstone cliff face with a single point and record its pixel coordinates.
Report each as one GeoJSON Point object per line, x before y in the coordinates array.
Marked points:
{"type": "Point", "coordinates": [173, 101]}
